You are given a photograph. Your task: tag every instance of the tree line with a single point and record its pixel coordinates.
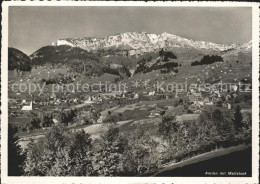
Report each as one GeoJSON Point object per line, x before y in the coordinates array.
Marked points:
{"type": "Point", "coordinates": [208, 60]}
{"type": "Point", "coordinates": [46, 120]}
{"type": "Point", "coordinates": [116, 153]}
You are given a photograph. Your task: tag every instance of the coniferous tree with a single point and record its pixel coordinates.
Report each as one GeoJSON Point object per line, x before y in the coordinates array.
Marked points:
{"type": "Point", "coordinates": [237, 119]}
{"type": "Point", "coordinates": [15, 156]}
{"type": "Point", "coordinates": [109, 152]}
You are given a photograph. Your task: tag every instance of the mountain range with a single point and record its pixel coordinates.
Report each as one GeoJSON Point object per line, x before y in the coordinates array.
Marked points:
{"type": "Point", "coordinates": [138, 43]}
{"type": "Point", "coordinates": [127, 53]}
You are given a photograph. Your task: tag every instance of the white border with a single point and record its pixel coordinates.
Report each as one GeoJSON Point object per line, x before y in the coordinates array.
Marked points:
{"type": "Point", "coordinates": [114, 180]}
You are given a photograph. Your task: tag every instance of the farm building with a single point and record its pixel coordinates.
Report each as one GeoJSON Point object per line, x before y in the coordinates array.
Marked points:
{"type": "Point", "coordinates": [156, 112]}
{"type": "Point", "coordinates": [151, 93]}
{"type": "Point", "coordinates": [27, 107]}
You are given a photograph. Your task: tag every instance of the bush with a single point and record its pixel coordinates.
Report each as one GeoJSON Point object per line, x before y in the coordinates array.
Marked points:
{"type": "Point", "coordinates": [168, 126]}
{"type": "Point", "coordinates": [109, 153]}
{"type": "Point", "coordinates": [237, 119]}
{"type": "Point", "coordinates": [47, 120]}
{"type": "Point", "coordinates": [67, 117]}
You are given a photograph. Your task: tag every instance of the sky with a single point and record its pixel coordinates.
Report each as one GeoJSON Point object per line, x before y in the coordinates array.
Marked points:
{"type": "Point", "coordinates": [31, 28]}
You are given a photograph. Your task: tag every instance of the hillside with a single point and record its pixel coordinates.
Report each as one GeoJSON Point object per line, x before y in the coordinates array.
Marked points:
{"type": "Point", "coordinates": [77, 59]}
{"type": "Point", "coordinates": [18, 60]}
{"type": "Point", "coordinates": [91, 63]}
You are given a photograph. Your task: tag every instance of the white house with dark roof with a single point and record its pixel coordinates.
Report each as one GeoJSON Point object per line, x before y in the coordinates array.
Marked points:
{"type": "Point", "coordinates": [27, 107]}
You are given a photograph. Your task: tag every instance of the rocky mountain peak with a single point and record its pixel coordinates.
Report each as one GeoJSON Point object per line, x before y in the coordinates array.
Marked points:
{"type": "Point", "coordinates": [142, 42]}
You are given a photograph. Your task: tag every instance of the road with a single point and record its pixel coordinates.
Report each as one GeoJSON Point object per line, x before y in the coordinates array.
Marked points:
{"type": "Point", "coordinates": [234, 159]}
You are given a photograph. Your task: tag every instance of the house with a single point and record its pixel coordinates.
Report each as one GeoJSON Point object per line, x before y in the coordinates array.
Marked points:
{"type": "Point", "coordinates": [152, 93]}
{"type": "Point", "coordinates": [136, 96]}
{"type": "Point", "coordinates": [234, 88]}
{"type": "Point", "coordinates": [88, 101]}
{"type": "Point", "coordinates": [53, 96]}
{"type": "Point", "coordinates": [198, 104]}
{"type": "Point", "coordinates": [55, 121]}
{"type": "Point", "coordinates": [209, 103]}
{"type": "Point", "coordinates": [156, 112]}
{"type": "Point", "coordinates": [27, 107]}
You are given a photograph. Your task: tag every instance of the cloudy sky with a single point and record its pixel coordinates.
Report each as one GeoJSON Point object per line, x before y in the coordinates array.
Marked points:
{"type": "Point", "coordinates": [30, 28]}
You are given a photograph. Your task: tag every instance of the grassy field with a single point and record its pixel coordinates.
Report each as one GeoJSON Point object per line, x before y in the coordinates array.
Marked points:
{"type": "Point", "coordinates": [186, 71]}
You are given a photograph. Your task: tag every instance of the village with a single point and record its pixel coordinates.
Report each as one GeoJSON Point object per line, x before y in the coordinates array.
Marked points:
{"type": "Point", "coordinates": [140, 95]}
